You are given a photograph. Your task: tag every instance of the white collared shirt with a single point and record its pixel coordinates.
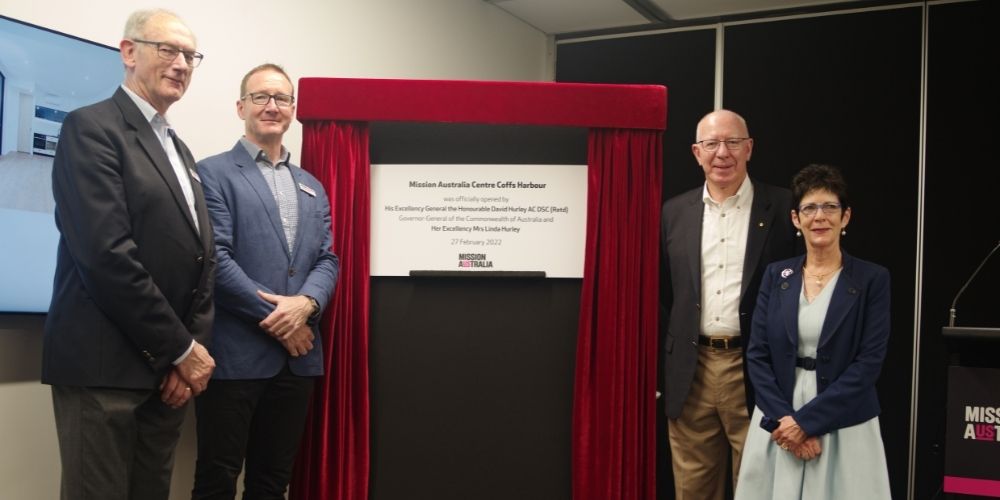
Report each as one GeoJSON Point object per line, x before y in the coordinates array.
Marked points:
{"type": "Point", "coordinates": [162, 130]}
{"type": "Point", "coordinates": [724, 230]}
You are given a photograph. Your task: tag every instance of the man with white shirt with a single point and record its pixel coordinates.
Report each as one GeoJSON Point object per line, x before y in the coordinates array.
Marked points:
{"type": "Point", "coordinates": [716, 240]}
{"type": "Point", "coordinates": [132, 300]}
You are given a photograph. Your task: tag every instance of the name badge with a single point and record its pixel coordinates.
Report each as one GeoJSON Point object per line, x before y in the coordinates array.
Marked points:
{"type": "Point", "coordinates": [308, 190]}
{"type": "Point", "coordinates": [194, 175]}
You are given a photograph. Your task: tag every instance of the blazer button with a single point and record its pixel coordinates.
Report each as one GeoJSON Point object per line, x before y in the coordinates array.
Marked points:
{"type": "Point", "coordinates": [199, 259]}
{"type": "Point", "coordinates": [784, 286]}
{"type": "Point", "coordinates": [291, 272]}
{"type": "Point", "coordinates": [194, 291]}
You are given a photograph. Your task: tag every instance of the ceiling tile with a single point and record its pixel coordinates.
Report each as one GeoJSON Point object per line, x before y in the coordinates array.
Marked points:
{"type": "Point", "coordinates": [566, 16]}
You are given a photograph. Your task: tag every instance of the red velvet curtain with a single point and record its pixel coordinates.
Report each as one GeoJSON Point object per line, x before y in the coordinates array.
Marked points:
{"type": "Point", "coordinates": [614, 431]}
{"type": "Point", "coordinates": [333, 458]}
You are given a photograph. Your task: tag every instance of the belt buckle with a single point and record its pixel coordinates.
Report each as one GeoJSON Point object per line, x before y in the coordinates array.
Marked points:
{"type": "Point", "coordinates": [719, 342]}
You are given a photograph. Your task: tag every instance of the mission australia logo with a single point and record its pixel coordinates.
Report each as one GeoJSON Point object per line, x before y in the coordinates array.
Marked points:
{"type": "Point", "coordinates": [982, 423]}
{"type": "Point", "coordinates": [473, 261]}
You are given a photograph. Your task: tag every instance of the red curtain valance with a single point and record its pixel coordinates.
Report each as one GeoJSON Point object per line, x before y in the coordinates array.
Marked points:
{"type": "Point", "coordinates": [516, 103]}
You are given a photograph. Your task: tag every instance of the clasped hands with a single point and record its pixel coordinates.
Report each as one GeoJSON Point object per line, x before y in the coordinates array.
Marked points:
{"type": "Point", "coordinates": [287, 322]}
{"type": "Point", "coordinates": [189, 378]}
{"type": "Point", "coordinates": [790, 437]}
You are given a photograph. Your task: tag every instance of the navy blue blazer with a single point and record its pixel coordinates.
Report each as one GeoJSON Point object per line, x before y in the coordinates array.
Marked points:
{"type": "Point", "coordinates": [253, 255]}
{"type": "Point", "coordinates": [133, 280]}
{"type": "Point", "coordinates": [849, 356]}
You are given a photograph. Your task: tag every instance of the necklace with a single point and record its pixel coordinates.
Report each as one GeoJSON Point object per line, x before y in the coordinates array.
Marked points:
{"type": "Point", "coordinates": [819, 277]}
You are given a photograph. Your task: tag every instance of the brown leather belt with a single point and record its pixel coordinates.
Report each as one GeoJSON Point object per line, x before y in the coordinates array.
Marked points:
{"type": "Point", "coordinates": [720, 342]}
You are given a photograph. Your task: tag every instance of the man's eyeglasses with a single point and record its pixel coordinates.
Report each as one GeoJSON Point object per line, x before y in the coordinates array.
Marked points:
{"type": "Point", "coordinates": [731, 144]}
{"type": "Point", "coordinates": [261, 99]}
{"type": "Point", "coordinates": [827, 208]}
{"type": "Point", "coordinates": [169, 52]}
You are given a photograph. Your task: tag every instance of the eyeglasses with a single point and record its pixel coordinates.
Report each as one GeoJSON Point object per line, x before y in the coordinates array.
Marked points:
{"type": "Point", "coordinates": [169, 52]}
{"type": "Point", "coordinates": [261, 99]}
{"type": "Point", "coordinates": [731, 144]}
{"type": "Point", "coordinates": [827, 208]}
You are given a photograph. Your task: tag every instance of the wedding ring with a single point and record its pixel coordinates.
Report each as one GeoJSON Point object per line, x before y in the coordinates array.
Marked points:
{"type": "Point", "coordinates": [784, 447]}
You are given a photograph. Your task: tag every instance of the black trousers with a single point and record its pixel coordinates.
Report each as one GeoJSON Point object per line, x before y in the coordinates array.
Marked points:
{"type": "Point", "coordinates": [257, 421]}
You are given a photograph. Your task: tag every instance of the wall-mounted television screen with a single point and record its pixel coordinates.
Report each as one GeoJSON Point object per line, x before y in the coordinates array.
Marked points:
{"type": "Point", "coordinates": [44, 75]}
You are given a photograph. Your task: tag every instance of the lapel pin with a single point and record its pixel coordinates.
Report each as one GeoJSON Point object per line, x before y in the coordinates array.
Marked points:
{"type": "Point", "coordinates": [786, 272]}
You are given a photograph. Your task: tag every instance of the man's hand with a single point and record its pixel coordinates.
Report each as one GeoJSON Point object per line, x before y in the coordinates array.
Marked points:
{"type": "Point", "coordinates": [788, 435]}
{"type": "Point", "coordinates": [809, 449]}
{"type": "Point", "coordinates": [288, 315]}
{"type": "Point", "coordinates": [174, 391]}
{"type": "Point", "coordinates": [299, 342]}
{"type": "Point", "coordinates": [196, 368]}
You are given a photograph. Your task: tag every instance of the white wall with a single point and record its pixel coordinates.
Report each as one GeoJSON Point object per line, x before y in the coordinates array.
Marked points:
{"type": "Point", "coordinates": [439, 39]}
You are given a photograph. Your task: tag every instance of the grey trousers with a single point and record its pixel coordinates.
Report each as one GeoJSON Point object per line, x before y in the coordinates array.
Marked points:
{"type": "Point", "coordinates": [115, 444]}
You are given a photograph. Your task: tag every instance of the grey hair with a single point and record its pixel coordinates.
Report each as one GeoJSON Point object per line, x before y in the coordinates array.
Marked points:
{"type": "Point", "coordinates": [135, 27]}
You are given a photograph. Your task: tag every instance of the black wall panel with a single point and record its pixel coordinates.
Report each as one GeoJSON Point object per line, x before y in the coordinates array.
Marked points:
{"type": "Point", "coordinates": [684, 62]}
{"type": "Point", "coordinates": [845, 89]}
{"type": "Point", "coordinates": [961, 226]}
{"type": "Point", "coordinates": [472, 377]}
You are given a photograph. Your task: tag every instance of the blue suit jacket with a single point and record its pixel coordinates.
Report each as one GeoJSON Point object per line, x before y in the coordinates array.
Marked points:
{"type": "Point", "coordinates": [253, 255]}
{"type": "Point", "coordinates": [851, 348]}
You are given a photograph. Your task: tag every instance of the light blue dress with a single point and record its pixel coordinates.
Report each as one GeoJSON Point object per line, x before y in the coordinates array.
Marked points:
{"type": "Point", "coordinates": [852, 462]}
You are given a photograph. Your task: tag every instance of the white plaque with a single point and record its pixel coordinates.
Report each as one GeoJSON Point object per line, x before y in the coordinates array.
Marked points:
{"type": "Point", "coordinates": [478, 218]}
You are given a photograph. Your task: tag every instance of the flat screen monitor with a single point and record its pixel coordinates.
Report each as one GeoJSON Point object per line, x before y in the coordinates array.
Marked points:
{"type": "Point", "coordinates": [44, 75]}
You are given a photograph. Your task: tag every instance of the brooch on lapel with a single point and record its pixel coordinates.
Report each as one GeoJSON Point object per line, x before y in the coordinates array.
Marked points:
{"type": "Point", "coordinates": [786, 272]}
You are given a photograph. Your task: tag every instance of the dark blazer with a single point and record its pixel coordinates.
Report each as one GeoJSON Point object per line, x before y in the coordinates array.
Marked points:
{"type": "Point", "coordinates": [851, 348]}
{"type": "Point", "coordinates": [133, 281]}
{"type": "Point", "coordinates": [771, 237]}
{"type": "Point", "coordinates": [253, 255]}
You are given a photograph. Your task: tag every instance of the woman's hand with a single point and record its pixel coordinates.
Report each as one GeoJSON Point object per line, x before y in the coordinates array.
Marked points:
{"type": "Point", "coordinates": [788, 435]}
{"type": "Point", "coordinates": [809, 449]}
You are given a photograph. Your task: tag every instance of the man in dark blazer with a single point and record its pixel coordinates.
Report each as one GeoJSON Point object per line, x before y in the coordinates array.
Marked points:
{"type": "Point", "coordinates": [716, 241]}
{"type": "Point", "coordinates": [276, 273]}
{"type": "Point", "coordinates": [132, 301]}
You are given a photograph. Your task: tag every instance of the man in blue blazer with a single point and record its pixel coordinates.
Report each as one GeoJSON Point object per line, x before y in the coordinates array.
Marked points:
{"type": "Point", "coordinates": [132, 297]}
{"type": "Point", "coordinates": [276, 273]}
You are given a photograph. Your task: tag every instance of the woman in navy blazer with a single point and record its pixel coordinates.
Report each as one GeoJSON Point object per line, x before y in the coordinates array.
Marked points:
{"type": "Point", "coordinates": [817, 344]}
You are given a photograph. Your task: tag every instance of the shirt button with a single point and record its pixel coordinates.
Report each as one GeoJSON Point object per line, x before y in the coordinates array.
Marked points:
{"type": "Point", "coordinates": [723, 214]}
{"type": "Point", "coordinates": [718, 292]}
{"type": "Point", "coordinates": [720, 266]}
{"type": "Point", "coordinates": [716, 318]}
{"type": "Point", "coordinates": [723, 240]}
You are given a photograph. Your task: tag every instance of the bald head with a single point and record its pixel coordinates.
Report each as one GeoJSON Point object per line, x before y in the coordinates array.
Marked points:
{"type": "Point", "coordinates": [723, 147]}
{"type": "Point", "coordinates": [724, 117]}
